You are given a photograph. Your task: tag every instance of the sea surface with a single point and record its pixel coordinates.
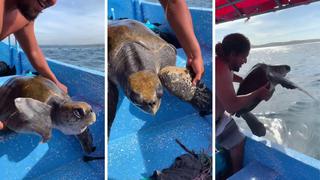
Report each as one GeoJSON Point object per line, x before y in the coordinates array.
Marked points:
{"type": "Point", "coordinates": [292, 118]}
{"type": "Point", "coordinates": [193, 3]}
{"type": "Point", "coordinates": [89, 56]}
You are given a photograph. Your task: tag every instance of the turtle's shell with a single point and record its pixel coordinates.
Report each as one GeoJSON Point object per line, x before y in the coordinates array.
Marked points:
{"type": "Point", "coordinates": [37, 87]}
{"type": "Point", "coordinates": [126, 31]}
{"type": "Point", "coordinates": [256, 78]}
{"type": "Point", "coordinates": [132, 45]}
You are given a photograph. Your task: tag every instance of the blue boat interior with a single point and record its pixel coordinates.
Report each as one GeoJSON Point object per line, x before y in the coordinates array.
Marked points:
{"type": "Point", "coordinates": [266, 160]}
{"type": "Point", "coordinates": [22, 156]}
{"type": "Point", "coordinates": [140, 143]}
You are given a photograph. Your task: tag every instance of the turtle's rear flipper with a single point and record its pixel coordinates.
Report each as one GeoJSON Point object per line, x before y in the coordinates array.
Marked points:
{"type": "Point", "coordinates": [164, 31]}
{"type": "Point", "coordinates": [170, 38]}
{"type": "Point", "coordinates": [256, 127]}
{"type": "Point", "coordinates": [179, 82]}
{"type": "Point", "coordinates": [5, 70]}
{"type": "Point", "coordinates": [32, 116]}
{"type": "Point", "coordinates": [86, 141]}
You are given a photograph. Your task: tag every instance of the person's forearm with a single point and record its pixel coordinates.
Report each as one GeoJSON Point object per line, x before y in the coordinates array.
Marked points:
{"type": "Point", "coordinates": [28, 43]}
{"type": "Point", "coordinates": [238, 102]}
{"type": "Point", "coordinates": [180, 20]}
{"type": "Point", "coordinates": [39, 62]}
{"type": "Point", "coordinates": [2, 5]}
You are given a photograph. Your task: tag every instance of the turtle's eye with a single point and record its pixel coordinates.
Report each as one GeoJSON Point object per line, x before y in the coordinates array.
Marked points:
{"type": "Point", "coordinates": [78, 112]}
{"type": "Point", "coordinates": [135, 98]}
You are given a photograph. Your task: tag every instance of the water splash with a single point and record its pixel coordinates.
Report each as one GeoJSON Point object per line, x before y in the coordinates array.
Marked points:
{"type": "Point", "coordinates": [275, 127]}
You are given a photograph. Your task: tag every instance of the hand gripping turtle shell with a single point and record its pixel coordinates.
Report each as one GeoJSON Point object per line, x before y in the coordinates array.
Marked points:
{"type": "Point", "coordinates": [136, 56]}
{"type": "Point", "coordinates": [37, 105]}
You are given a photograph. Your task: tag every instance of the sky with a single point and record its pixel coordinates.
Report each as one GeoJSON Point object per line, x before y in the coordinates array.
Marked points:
{"type": "Point", "coordinates": [71, 22]}
{"type": "Point", "coordinates": [298, 23]}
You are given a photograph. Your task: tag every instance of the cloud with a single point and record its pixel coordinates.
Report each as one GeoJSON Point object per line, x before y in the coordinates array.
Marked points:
{"type": "Point", "coordinates": [72, 22]}
{"type": "Point", "coordinates": [284, 25]}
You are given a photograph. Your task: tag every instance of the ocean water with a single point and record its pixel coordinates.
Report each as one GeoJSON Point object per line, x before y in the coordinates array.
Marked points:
{"type": "Point", "coordinates": [89, 56]}
{"type": "Point", "coordinates": [292, 118]}
{"type": "Point", "coordinates": [193, 3]}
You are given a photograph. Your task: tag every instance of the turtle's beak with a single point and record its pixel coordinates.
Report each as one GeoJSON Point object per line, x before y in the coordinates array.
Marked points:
{"type": "Point", "coordinates": [154, 107]}
{"type": "Point", "coordinates": [91, 119]}
{"type": "Point", "coordinates": [154, 111]}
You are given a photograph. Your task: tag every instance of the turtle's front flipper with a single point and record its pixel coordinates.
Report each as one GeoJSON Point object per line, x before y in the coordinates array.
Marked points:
{"type": "Point", "coordinates": [202, 99]}
{"type": "Point", "coordinates": [31, 116]}
{"type": "Point", "coordinates": [113, 96]}
{"type": "Point", "coordinates": [286, 83]}
{"type": "Point", "coordinates": [179, 82]}
{"type": "Point", "coordinates": [256, 127]}
{"type": "Point", "coordinates": [86, 141]}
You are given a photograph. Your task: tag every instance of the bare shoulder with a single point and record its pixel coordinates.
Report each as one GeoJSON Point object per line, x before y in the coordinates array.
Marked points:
{"type": "Point", "coordinates": [222, 70]}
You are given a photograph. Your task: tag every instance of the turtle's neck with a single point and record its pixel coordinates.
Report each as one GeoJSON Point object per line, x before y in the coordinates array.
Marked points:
{"type": "Point", "coordinates": [137, 81]}
{"type": "Point", "coordinates": [135, 59]}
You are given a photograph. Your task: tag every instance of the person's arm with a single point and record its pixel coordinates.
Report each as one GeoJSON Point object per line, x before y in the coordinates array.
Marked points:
{"type": "Point", "coordinates": [2, 4]}
{"type": "Point", "coordinates": [180, 20]}
{"type": "Point", "coordinates": [28, 43]}
{"type": "Point", "coordinates": [226, 93]}
{"type": "Point", "coordinates": [237, 78]}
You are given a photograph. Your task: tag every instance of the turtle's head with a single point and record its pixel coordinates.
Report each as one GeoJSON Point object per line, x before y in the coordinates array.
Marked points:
{"type": "Point", "coordinates": [73, 118]}
{"type": "Point", "coordinates": [280, 69]}
{"type": "Point", "coordinates": [145, 91]}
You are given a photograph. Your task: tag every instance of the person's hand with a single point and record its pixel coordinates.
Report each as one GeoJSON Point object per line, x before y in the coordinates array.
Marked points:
{"type": "Point", "coordinates": [237, 78]}
{"type": "Point", "coordinates": [240, 79]}
{"type": "Point", "coordinates": [62, 87]}
{"type": "Point", "coordinates": [264, 92]}
{"type": "Point", "coordinates": [197, 66]}
{"type": "Point", "coordinates": [1, 125]}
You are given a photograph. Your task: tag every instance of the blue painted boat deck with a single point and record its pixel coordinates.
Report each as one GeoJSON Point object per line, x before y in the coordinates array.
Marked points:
{"type": "Point", "coordinates": [285, 162]}
{"type": "Point", "coordinates": [255, 171]}
{"type": "Point", "coordinates": [264, 160]}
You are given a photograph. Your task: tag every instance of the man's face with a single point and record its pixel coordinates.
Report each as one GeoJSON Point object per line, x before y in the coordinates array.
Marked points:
{"type": "Point", "coordinates": [236, 61]}
{"type": "Point", "coordinates": [30, 9]}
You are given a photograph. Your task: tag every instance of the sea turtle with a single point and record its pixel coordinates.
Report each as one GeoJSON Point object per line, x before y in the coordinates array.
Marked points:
{"type": "Point", "coordinates": [34, 104]}
{"type": "Point", "coordinates": [136, 55]}
{"type": "Point", "coordinates": [259, 75]}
